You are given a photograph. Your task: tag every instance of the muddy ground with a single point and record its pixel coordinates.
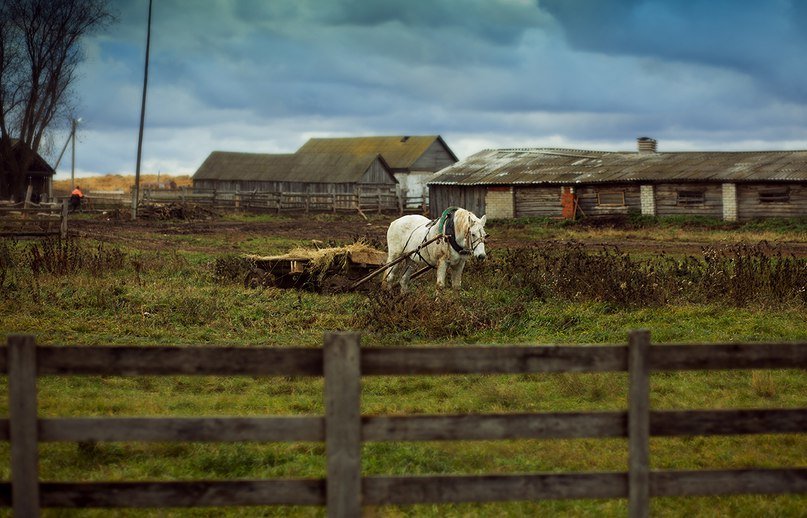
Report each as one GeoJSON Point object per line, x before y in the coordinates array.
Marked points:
{"type": "Point", "coordinates": [338, 230]}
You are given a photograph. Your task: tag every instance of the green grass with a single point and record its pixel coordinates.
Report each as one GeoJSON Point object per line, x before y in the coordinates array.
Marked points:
{"type": "Point", "coordinates": [159, 298]}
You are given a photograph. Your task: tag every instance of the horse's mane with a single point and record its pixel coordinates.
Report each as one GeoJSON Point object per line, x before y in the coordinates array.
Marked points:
{"type": "Point", "coordinates": [462, 223]}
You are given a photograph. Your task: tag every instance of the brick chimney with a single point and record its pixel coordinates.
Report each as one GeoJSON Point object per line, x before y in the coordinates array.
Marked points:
{"type": "Point", "coordinates": [646, 144]}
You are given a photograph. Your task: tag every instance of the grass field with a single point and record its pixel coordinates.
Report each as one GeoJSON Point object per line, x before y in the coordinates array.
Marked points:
{"type": "Point", "coordinates": [93, 293]}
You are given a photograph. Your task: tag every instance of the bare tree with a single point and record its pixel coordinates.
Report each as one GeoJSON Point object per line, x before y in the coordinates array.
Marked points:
{"type": "Point", "coordinates": [39, 54]}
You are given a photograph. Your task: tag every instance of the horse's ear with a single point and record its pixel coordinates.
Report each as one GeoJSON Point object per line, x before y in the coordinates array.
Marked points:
{"type": "Point", "coordinates": [483, 220]}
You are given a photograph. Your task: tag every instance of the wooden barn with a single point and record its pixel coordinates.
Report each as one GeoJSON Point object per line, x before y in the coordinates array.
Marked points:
{"type": "Point", "coordinates": [299, 172]}
{"type": "Point", "coordinates": [412, 159]}
{"type": "Point", "coordinates": [400, 163]}
{"type": "Point", "coordinates": [39, 175]}
{"type": "Point", "coordinates": [506, 183]}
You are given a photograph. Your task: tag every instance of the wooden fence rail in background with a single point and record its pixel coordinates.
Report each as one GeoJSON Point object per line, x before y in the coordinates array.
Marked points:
{"type": "Point", "coordinates": [277, 202]}
{"type": "Point", "coordinates": [343, 429]}
{"type": "Point", "coordinates": [34, 220]}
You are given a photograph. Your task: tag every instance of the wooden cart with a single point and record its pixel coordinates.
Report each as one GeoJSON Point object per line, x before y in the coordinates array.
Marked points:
{"type": "Point", "coordinates": [286, 271]}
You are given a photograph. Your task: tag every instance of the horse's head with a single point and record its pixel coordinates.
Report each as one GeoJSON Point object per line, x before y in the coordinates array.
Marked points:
{"type": "Point", "coordinates": [472, 229]}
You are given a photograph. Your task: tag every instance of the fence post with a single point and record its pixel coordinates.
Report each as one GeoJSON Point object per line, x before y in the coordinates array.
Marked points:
{"type": "Point", "coordinates": [638, 424]}
{"type": "Point", "coordinates": [63, 226]}
{"type": "Point", "coordinates": [333, 202]}
{"type": "Point", "coordinates": [22, 413]}
{"type": "Point", "coordinates": [343, 424]}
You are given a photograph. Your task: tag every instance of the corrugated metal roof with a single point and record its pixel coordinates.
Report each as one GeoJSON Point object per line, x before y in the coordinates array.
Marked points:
{"type": "Point", "coordinates": [400, 152]}
{"type": "Point", "coordinates": [306, 168]}
{"type": "Point", "coordinates": [569, 166]}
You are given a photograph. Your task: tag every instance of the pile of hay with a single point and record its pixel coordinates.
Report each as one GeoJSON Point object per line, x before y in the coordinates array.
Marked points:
{"type": "Point", "coordinates": [321, 260]}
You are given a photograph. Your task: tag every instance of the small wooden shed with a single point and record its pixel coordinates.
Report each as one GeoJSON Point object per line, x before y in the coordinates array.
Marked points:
{"type": "Point", "coordinates": [39, 175]}
{"type": "Point", "coordinates": [550, 182]}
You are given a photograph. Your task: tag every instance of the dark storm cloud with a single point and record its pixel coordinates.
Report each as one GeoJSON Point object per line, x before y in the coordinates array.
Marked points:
{"type": "Point", "coordinates": [764, 40]}
{"type": "Point", "coordinates": [265, 75]}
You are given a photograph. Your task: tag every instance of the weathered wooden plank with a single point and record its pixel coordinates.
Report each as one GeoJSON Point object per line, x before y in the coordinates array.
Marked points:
{"type": "Point", "coordinates": [184, 494]}
{"type": "Point", "coordinates": [398, 361]}
{"type": "Point", "coordinates": [494, 427]}
{"type": "Point", "coordinates": [416, 489]}
{"type": "Point", "coordinates": [728, 482]}
{"type": "Point", "coordinates": [728, 422]}
{"type": "Point", "coordinates": [5, 494]}
{"type": "Point", "coordinates": [556, 425]}
{"type": "Point", "coordinates": [223, 361]}
{"type": "Point", "coordinates": [210, 429]}
{"type": "Point", "coordinates": [492, 488]}
{"type": "Point", "coordinates": [341, 364]}
{"type": "Point", "coordinates": [580, 424]}
{"type": "Point", "coordinates": [22, 412]}
{"type": "Point", "coordinates": [492, 359]}
{"type": "Point", "coordinates": [638, 424]}
{"type": "Point", "coordinates": [729, 356]}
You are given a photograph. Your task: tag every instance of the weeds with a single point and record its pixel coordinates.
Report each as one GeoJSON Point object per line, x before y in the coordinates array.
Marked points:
{"type": "Point", "coordinates": [740, 275]}
{"type": "Point", "coordinates": [56, 256]}
{"type": "Point", "coordinates": [430, 315]}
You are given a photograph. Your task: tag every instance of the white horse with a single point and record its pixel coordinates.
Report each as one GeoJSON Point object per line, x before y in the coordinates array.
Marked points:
{"type": "Point", "coordinates": [407, 233]}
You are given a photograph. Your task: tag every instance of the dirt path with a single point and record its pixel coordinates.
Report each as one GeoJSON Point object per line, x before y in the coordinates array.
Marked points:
{"type": "Point", "coordinates": [150, 234]}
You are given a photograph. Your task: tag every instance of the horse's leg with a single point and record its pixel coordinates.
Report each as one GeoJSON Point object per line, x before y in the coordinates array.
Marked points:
{"type": "Point", "coordinates": [388, 278]}
{"type": "Point", "coordinates": [442, 268]}
{"type": "Point", "coordinates": [409, 269]}
{"type": "Point", "coordinates": [456, 274]}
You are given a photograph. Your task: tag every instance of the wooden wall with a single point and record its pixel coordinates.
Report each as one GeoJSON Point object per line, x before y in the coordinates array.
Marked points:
{"type": "Point", "coordinates": [246, 186]}
{"type": "Point", "coordinates": [587, 199]}
{"type": "Point", "coordinates": [376, 174]}
{"type": "Point", "coordinates": [749, 205]}
{"type": "Point", "coordinates": [442, 197]}
{"type": "Point", "coordinates": [538, 201]}
{"type": "Point", "coordinates": [433, 159]}
{"type": "Point", "coordinates": [667, 200]}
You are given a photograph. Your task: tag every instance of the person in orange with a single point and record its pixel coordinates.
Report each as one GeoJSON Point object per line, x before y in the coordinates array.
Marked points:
{"type": "Point", "coordinates": [75, 199]}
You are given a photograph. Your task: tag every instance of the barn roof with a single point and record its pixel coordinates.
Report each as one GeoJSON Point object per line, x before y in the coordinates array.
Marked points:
{"type": "Point", "coordinates": [39, 166]}
{"type": "Point", "coordinates": [400, 152]}
{"type": "Point", "coordinates": [305, 168]}
{"type": "Point", "coordinates": [574, 166]}
{"type": "Point", "coordinates": [227, 165]}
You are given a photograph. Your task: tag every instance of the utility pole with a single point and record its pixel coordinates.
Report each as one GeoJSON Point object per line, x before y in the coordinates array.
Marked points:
{"type": "Point", "coordinates": [136, 196]}
{"type": "Point", "coordinates": [73, 156]}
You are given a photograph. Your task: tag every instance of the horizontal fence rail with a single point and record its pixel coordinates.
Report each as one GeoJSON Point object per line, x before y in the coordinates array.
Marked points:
{"type": "Point", "coordinates": [32, 220]}
{"type": "Point", "coordinates": [363, 200]}
{"type": "Point", "coordinates": [343, 429]}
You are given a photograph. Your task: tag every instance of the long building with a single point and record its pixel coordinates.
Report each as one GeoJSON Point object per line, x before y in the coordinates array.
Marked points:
{"type": "Point", "coordinates": [551, 182]}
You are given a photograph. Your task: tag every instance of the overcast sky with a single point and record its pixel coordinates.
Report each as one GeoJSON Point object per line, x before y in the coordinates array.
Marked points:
{"type": "Point", "coordinates": [266, 75]}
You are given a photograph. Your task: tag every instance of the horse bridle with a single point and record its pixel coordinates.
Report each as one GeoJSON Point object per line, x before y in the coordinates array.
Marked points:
{"type": "Point", "coordinates": [473, 244]}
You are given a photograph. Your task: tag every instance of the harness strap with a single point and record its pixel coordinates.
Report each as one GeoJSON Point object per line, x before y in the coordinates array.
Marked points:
{"type": "Point", "coordinates": [425, 238]}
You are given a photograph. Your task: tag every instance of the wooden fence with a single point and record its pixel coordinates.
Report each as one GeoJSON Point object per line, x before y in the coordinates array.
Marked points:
{"type": "Point", "coordinates": [32, 219]}
{"type": "Point", "coordinates": [277, 202]}
{"type": "Point", "coordinates": [343, 429]}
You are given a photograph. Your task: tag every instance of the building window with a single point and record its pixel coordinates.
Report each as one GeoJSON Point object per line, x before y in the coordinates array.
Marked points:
{"type": "Point", "coordinates": [774, 195]}
{"type": "Point", "coordinates": [691, 197]}
{"type": "Point", "coordinates": [611, 199]}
